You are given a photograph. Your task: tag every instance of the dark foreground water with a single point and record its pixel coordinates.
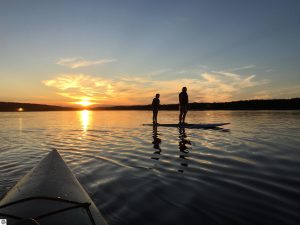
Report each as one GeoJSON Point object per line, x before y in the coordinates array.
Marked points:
{"type": "Point", "coordinates": [247, 173]}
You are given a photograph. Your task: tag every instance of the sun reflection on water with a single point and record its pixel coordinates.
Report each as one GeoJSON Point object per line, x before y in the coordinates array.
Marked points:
{"type": "Point", "coordinates": [20, 125]}
{"type": "Point", "coordinates": [85, 119]}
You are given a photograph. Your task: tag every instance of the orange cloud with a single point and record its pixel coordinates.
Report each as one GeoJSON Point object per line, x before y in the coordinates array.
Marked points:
{"type": "Point", "coordinates": [77, 62]}
{"type": "Point", "coordinates": [126, 89]}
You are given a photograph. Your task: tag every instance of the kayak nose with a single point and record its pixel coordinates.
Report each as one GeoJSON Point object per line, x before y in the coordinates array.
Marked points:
{"type": "Point", "coordinates": [50, 188]}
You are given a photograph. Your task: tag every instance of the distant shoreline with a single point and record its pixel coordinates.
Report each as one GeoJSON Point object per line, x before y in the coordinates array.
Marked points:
{"type": "Point", "coordinates": [29, 107]}
{"type": "Point", "coordinates": [274, 104]}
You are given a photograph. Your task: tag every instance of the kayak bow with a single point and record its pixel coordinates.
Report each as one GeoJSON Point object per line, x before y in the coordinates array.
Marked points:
{"type": "Point", "coordinates": [49, 194]}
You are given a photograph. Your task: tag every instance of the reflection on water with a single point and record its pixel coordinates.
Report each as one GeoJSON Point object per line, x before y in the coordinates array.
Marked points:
{"type": "Point", "coordinates": [85, 117]}
{"type": "Point", "coordinates": [156, 143]}
{"type": "Point", "coordinates": [184, 147]}
{"type": "Point", "coordinates": [143, 175]}
{"type": "Point", "coordinates": [20, 124]}
{"type": "Point", "coordinates": [183, 141]}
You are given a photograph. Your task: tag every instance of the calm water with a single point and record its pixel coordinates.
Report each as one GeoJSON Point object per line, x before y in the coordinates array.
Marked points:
{"type": "Point", "coordinates": [248, 173]}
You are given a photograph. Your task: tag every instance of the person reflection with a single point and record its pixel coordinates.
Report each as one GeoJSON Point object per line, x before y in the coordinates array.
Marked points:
{"type": "Point", "coordinates": [184, 147]}
{"type": "Point", "coordinates": [156, 143]}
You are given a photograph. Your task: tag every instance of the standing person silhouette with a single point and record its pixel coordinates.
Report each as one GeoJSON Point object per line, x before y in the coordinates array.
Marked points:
{"type": "Point", "coordinates": [183, 105]}
{"type": "Point", "coordinates": [155, 107]}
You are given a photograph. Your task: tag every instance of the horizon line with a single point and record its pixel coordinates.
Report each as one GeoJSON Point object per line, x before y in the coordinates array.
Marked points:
{"type": "Point", "coordinates": [107, 106]}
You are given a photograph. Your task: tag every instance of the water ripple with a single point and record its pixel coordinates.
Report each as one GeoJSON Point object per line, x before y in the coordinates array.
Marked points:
{"type": "Point", "coordinates": [245, 174]}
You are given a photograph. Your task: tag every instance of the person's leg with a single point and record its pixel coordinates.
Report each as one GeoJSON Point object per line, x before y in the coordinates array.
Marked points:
{"type": "Point", "coordinates": [155, 116]}
{"type": "Point", "coordinates": [184, 115]}
{"type": "Point", "coordinates": [180, 116]}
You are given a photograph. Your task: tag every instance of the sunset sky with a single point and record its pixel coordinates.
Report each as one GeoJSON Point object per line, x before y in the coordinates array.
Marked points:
{"type": "Point", "coordinates": [124, 52]}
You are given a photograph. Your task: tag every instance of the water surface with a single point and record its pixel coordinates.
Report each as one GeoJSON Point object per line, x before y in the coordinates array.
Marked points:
{"type": "Point", "coordinates": [246, 173]}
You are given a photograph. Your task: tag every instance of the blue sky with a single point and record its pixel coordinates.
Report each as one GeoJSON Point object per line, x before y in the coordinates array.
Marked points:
{"type": "Point", "coordinates": [123, 52]}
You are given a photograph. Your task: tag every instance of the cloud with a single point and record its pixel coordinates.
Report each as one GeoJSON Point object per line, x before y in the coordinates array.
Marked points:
{"type": "Point", "coordinates": [241, 81]}
{"type": "Point", "coordinates": [269, 70]}
{"type": "Point", "coordinates": [77, 62]}
{"type": "Point", "coordinates": [79, 86]}
{"type": "Point", "coordinates": [194, 70]}
{"type": "Point", "coordinates": [128, 89]}
{"type": "Point", "coordinates": [244, 67]}
{"type": "Point", "coordinates": [124, 90]}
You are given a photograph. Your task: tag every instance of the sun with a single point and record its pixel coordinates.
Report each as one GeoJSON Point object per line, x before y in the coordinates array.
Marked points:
{"type": "Point", "coordinates": [85, 102]}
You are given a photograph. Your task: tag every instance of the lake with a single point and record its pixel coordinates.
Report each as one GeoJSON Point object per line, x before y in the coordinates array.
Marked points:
{"type": "Point", "coordinates": [246, 173]}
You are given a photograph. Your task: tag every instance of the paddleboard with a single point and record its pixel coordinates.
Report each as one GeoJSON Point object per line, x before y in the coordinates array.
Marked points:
{"type": "Point", "coordinates": [199, 125]}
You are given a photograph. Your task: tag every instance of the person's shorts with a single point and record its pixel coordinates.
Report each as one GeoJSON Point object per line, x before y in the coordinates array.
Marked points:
{"type": "Point", "coordinates": [183, 108]}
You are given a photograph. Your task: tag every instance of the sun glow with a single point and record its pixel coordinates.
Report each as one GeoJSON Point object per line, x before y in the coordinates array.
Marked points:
{"type": "Point", "coordinates": [85, 102]}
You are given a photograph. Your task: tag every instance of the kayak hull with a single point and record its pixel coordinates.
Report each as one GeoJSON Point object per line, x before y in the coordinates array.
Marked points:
{"type": "Point", "coordinates": [50, 187]}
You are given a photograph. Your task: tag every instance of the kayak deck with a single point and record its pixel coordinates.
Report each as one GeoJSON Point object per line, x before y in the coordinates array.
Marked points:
{"type": "Point", "coordinates": [50, 194]}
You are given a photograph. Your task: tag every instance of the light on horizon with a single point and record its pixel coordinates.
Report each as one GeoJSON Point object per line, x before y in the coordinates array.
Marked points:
{"type": "Point", "coordinates": [20, 109]}
{"type": "Point", "coordinates": [84, 102]}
